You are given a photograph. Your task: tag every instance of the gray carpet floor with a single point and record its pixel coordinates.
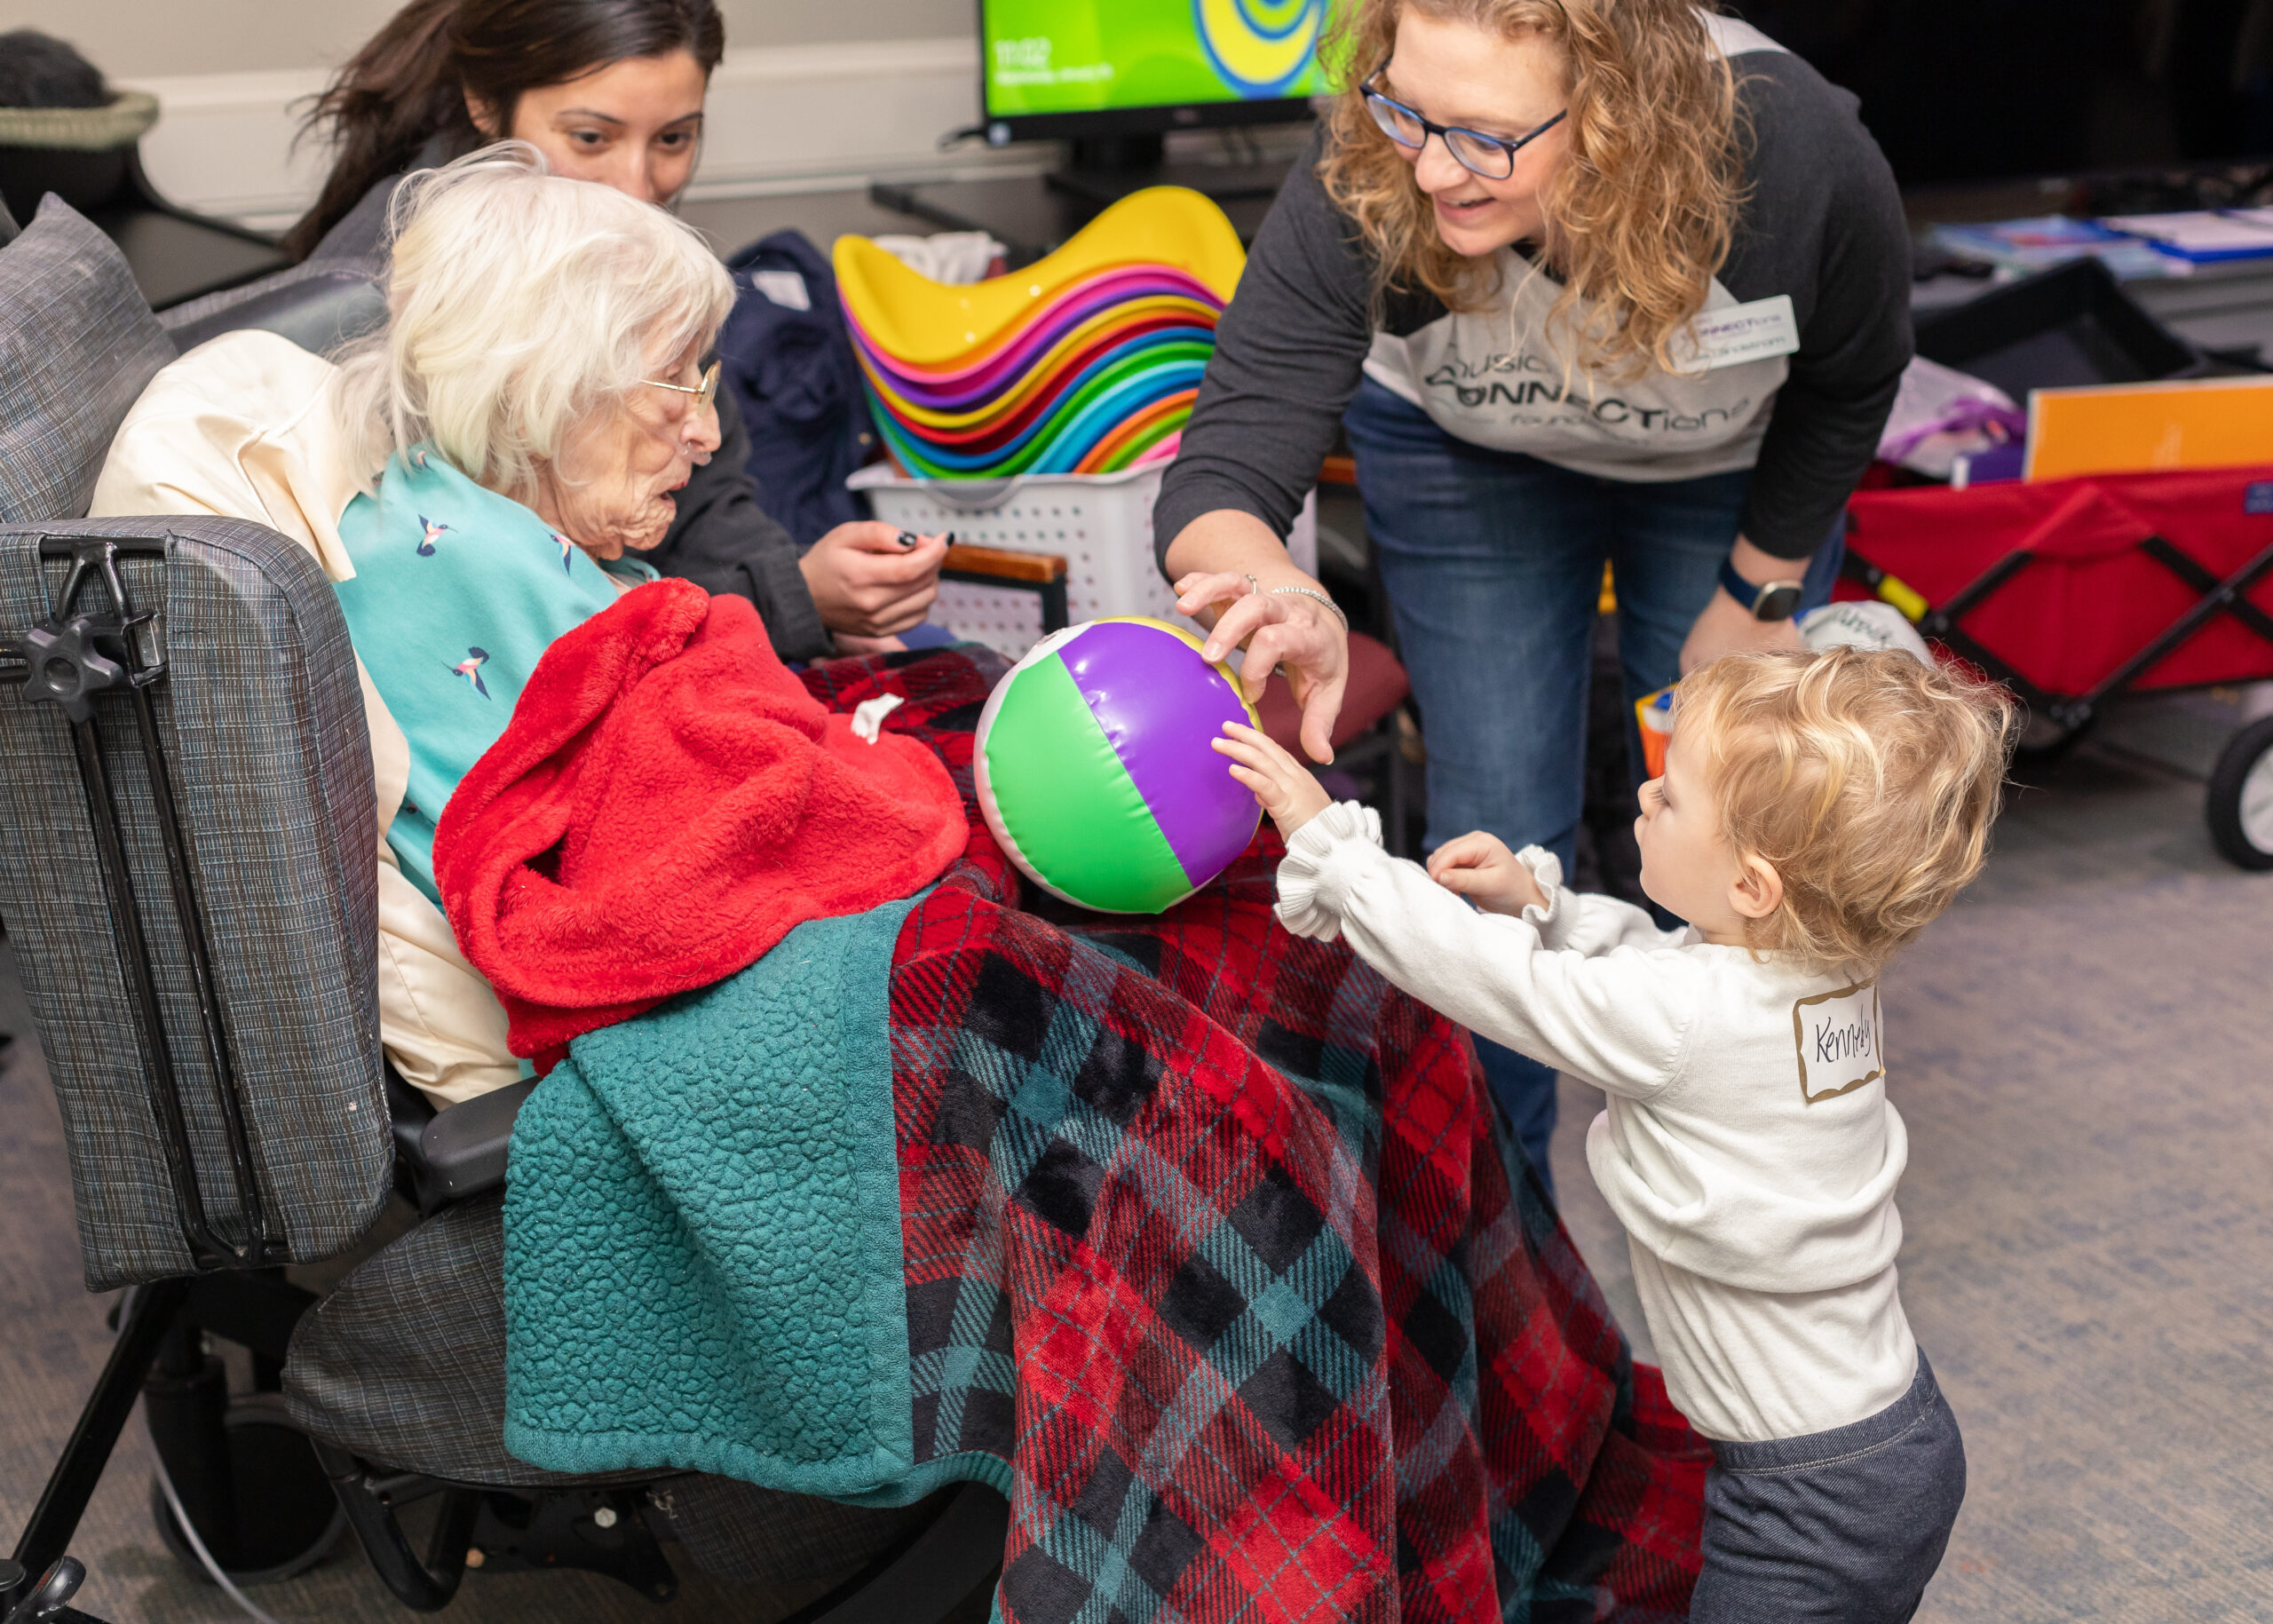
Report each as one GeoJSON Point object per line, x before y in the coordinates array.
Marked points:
{"type": "Point", "coordinates": [2078, 1050]}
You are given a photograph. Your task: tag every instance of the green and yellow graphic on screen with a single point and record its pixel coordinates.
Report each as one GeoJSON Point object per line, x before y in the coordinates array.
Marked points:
{"type": "Point", "coordinates": [1087, 56]}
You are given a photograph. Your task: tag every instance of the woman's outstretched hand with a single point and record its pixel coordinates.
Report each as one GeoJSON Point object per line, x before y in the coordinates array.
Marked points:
{"type": "Point", "coordinates": [866, 582]}
{"type": "Point", "coordinates": [1277, 627]}
{"type": "Point", "coordinates": [1283, 785]}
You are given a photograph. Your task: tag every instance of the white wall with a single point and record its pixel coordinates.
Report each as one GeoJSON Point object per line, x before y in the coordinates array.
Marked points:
{"type": "Point", "coordinates": [813, 94]}
{"type": "Point", "coordinates": [129, 38]}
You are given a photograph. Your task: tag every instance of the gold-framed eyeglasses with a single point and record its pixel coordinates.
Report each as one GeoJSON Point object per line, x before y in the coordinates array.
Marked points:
{"type": "Point", "coordinates": [704, 393]}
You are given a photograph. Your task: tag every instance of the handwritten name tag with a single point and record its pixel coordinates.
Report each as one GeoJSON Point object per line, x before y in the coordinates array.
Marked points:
{"type": "Point", "coordinates": [1740, 333]}
{"type": "Point", "coordinates": [1838, 1038]}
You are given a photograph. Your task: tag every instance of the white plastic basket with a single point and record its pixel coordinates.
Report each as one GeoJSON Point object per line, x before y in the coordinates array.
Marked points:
{"type": "Point", "coordinates": [1101, 524]}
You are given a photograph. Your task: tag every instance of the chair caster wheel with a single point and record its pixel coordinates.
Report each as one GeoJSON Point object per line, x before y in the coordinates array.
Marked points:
{"type": "Point", "coordinates": [2240, 806]}
{"type": "Point", "coordinates": [48, 1598]}
{"type": "Point", "coordinates": [288, 1517]}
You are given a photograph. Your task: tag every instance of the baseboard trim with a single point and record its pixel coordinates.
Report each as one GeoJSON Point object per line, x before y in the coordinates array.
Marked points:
{"type": "Point", "coordinates": [793, 118]}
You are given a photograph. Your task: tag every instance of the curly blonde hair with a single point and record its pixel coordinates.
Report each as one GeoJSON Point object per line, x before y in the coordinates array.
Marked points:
{"type": "Point", "coordinates": [1641, 216]}
{"type": "Point", "coordinates": [1868, 779]}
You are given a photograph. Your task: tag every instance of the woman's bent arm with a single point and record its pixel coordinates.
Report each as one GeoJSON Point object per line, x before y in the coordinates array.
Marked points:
{"type": "Point", "coordinates": [1212, 562]}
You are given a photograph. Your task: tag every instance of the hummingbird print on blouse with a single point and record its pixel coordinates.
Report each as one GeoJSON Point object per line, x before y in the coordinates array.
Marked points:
{"type": "Point", "coordinates": [426, 542]}
{"type": "Point", "coordinates": [470, 668]}
{"type": "Point", "coordinates": [567, 552]}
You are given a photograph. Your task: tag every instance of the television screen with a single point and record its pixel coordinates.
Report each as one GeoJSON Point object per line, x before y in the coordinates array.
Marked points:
{"type": "Point", "coordinates": [1059, 57]}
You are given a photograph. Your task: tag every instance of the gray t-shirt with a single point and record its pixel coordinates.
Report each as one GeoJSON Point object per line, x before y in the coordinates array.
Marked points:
{"type": "Point", "coordinates": [1821, 225]}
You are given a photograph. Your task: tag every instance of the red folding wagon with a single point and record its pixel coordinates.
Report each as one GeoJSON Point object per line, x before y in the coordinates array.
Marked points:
{"type": "Point", "coordinates": [2073, 591]}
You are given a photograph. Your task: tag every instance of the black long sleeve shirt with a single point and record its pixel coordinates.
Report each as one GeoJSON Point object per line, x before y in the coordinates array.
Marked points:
{"type": "Point", "coordinates": [1821, 222]}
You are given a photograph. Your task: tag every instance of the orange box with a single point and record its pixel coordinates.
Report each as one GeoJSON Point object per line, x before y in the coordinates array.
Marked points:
{"type": "Point", "coordinates": [2138, 428]}
{"type": "Point", "coordinates": [1654, 715]}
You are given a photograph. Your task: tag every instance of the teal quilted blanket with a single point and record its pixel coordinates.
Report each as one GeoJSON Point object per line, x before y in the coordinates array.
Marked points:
{"type": "Point", "coordinates": [703, 1257]}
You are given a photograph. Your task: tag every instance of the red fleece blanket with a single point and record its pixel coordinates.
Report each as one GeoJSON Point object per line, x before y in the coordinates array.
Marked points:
{"type": "Point", "coordinates": [667, 804]}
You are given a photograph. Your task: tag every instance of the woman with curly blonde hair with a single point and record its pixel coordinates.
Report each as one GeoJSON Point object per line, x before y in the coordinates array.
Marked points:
{"type": "Point", "coordinates": [1585, 281]}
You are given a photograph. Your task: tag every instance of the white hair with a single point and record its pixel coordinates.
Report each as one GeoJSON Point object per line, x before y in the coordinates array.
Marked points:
{"type": "Point", "coordinates": [520, 304]}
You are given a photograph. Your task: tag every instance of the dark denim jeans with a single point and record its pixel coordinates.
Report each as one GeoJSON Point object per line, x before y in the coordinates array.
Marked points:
{"type": "Point", "coordinates": [1493, 564]}
{"type": "Point", "coordinates": [1843, 1527]}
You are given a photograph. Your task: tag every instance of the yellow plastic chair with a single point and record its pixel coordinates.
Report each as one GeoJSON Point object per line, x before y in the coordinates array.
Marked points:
{"type": "Point", "coordinates": [925, 323]}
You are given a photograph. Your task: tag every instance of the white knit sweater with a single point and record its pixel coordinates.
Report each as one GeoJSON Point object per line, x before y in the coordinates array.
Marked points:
{"type": "Point", "coordinates": [1748, 1147]}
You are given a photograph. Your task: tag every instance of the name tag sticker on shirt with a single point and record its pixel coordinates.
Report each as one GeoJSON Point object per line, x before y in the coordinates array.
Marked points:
{"type": "Point", "coordinates": [1838, 1038]}
{"type": "Point", "coordinates": [1757, 331]}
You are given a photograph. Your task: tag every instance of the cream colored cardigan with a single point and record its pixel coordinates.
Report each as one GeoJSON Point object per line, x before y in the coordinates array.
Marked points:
{"type": "Point", "coordinates": [241, 428]}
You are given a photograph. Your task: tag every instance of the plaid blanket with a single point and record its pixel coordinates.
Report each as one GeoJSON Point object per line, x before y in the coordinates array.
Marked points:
{"type": "Point", "coordinates": [1218, 1262]}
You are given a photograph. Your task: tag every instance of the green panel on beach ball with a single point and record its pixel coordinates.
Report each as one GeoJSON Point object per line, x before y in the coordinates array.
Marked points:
{"type": "Point", "coordinates": [1064, 798]}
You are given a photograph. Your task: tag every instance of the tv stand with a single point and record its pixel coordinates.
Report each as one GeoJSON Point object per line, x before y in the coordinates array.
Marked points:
{"type": "Point", "coordinates": [1106, 169]}
{"type": "Point", "coordinates": [1032, 214]}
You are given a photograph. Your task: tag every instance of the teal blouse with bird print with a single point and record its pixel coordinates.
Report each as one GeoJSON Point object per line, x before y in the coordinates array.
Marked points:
{"type": "Point", "coordinates": [457, 592]}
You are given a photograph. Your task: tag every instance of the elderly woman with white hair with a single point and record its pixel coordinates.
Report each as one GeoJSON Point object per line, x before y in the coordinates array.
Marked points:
{"type": "Point", "coordinates": [527, 448]}
{"type": "Point", "coordinates": [476, 482]}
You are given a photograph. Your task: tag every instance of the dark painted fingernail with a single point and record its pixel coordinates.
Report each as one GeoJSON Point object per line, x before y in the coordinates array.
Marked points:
{"type": "Point", "coordinates": [908, 538]}
{"type": "Point", "coordinates": [950, 538]}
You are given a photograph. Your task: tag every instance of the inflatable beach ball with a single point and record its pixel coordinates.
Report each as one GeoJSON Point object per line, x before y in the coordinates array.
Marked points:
{"type": "Point", "coordinates": [1096, 768]}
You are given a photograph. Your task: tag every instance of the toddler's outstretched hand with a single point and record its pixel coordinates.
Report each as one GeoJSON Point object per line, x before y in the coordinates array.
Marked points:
{"type": "Point", "coordinates": [1479, 866]}
{"type": "Point", "coordinates": [1284, 785]}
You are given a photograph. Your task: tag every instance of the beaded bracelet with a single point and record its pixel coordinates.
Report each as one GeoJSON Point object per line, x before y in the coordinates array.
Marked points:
{"type": "Point", "coordinates": [1303, 592]}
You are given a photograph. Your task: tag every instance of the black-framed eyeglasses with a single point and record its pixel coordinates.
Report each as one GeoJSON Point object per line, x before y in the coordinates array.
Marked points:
{"type": "Point", "coordinates": [1479, 154]}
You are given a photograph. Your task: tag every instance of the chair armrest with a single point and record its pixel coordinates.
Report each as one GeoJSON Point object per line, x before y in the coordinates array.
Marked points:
{"type": "Point", "coordinates": [445, 1156]}
{"type": "Point", "coordinates": [462, 1151]}
{"type": "Point", "coordinates": [1043, 573]}
{"type": "Point", "coordinates": [1003, 563]}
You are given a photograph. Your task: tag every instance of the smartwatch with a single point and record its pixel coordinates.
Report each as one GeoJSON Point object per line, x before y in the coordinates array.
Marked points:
{"type": "Point", "coordinates": [1775, 601]}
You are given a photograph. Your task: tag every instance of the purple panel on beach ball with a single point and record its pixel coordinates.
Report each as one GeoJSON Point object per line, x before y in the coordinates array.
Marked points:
{"type": "Point", "coordinates": [1163, 706]}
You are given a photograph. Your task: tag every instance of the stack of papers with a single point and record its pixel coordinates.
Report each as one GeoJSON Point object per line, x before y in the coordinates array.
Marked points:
{"type": "Point", "coordinates": [2051, 240]}
{"type": "Point", "coordinates": [2204, 236]}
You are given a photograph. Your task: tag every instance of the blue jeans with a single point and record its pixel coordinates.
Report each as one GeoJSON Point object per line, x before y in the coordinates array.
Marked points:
{"type": "Point", "coordinates": [1840, 1527]}
{"type": "Point", "coordinates": [1493, 562]}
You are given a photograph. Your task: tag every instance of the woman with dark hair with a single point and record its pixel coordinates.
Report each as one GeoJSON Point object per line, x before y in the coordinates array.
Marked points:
{"type": "Point", "coordinates": [445, 76]}
{"type": "Point", "coordinates": [608, 91]}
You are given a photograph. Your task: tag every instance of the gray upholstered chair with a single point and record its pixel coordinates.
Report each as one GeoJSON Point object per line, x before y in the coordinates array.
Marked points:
{"type": "Point", "coordinates": [186, 841]}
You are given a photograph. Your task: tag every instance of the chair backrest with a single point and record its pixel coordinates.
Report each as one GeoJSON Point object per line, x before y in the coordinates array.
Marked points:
{"type": "Point", "coordinates": [188, 831]}
{"type": "Point", "coordinates": [77, 345]}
